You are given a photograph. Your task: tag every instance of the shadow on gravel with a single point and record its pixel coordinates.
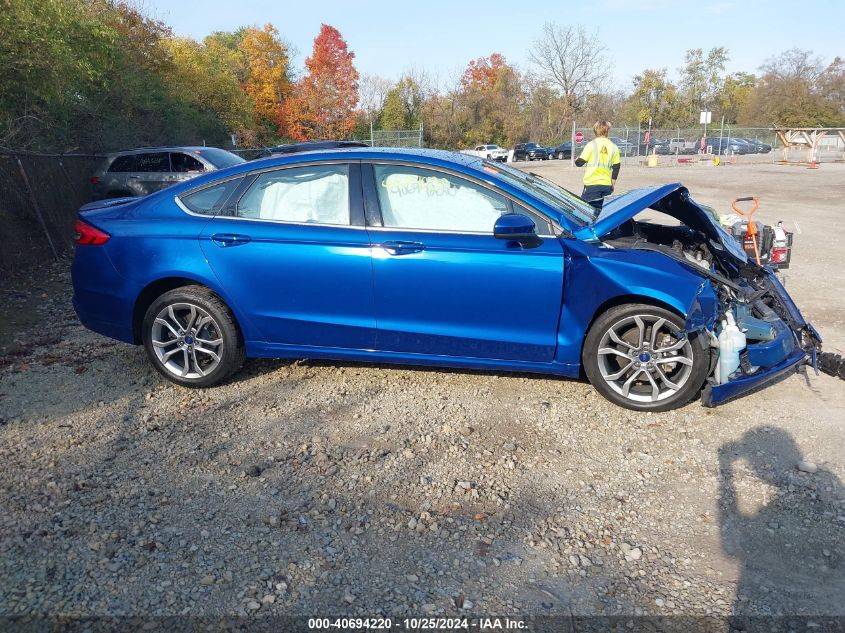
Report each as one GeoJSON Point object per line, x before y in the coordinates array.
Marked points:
{"type": "Point", "coordinates": [789, 547]}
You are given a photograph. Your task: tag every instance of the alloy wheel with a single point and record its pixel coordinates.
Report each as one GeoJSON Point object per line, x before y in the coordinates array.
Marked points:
{"type": "Point", "coordinates": [645, 358]}
{"type": "Point", "coordinates": [187, 340]}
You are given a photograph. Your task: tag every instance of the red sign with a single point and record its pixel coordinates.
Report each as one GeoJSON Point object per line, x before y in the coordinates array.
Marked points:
{"type": "Point", "coordinates": [579, 137]}
{"type": "Point", "coordinates": [647, 138]}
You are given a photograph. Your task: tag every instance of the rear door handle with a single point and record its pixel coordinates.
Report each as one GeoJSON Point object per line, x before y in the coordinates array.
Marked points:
{"type": "Point", "coordinates": [229, 239]}
{"type": "Point", "coordinates": [399, 247]}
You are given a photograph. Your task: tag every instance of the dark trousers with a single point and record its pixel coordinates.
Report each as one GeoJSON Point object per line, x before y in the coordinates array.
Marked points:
{"type": "Point", "coordinates": [594, 194]}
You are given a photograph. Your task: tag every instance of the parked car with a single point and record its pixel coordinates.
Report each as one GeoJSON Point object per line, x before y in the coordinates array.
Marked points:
{"type": "Point", "coordinates": [464, 263]}
{"type": "Point", "coordinates": [294, 148]}
{"type": "Point", "coordinates": [727, 145]}
{"type": "Point", "coordinates": [626, 147]}
{"type": "Point", "coordinates": [491, 152]}
{"type": "Point", "coordinates": [530, 151]}
{"type": "Point", "coordinates": [564, 150]}
{"type": "Point", "coordinates": [758, 147]}
{"type": "Point", "coordinates": [680, 145]}
{"type": "Point", "coordinates": [139, 172]}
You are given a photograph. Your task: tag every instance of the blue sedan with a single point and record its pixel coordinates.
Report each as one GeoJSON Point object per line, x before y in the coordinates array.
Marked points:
{"type": "Point", "coordinates": [434, 258]}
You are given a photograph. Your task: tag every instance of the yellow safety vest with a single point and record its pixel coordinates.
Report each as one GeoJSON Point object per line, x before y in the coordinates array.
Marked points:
{"type": "Point", "coordinates": [600, 154]}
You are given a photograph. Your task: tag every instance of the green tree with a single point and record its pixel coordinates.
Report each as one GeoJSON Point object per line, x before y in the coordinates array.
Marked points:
{"type": "Point", "coordinates": [401, 110]}
{"type": "Point", "coordinates": [655, 98]}
{"type": "Point", "coordinates": [701, 78]}
{"type": "Point", "coordinates": [735, 97]}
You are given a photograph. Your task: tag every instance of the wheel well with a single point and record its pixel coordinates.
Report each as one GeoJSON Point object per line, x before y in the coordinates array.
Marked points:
{"type": "Point", "coordinates": [625, 299]}
{"type": "Point", "coordinates": [150, 294]}
{"type": "Point", "coordinates": [618, 301]}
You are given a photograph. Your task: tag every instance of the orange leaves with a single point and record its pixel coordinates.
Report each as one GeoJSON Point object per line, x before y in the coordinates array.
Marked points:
{"type": "Point", "coordinates": [483, 72]}
{"type": "Point", "coordinates": [323, 102]}
{"type": "Point", "coordinates": [267, 63]}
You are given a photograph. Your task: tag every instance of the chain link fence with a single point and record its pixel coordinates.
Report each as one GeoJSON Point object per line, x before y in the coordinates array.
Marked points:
{"type": "Point", "coordinates": [684, 145]}
{"type": "Point", "coordinates": [395, 138]}
{"type": "Point", "coordinates": [40, 195]}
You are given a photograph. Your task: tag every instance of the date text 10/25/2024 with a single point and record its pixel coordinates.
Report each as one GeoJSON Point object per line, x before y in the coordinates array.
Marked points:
{"type": "Point", "coordinates": [416, 624]}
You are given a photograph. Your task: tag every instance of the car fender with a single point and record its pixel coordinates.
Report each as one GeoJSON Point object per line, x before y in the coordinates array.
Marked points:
{"type": "Point", "coordinates": [598, 278]}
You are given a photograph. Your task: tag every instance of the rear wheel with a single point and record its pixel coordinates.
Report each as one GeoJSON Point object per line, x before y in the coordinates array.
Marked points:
{"type": "Point", "coordinates": [191, 337]}
{"type": "Point", "coordinates": [636, 356]}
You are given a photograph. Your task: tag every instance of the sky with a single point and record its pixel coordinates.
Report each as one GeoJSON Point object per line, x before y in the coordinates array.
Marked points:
{"type": "Point", "coordinates": [389, 37]}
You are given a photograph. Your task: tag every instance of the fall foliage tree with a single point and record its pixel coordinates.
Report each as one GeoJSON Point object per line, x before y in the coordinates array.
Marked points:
{"type": "Point", "coordinates": [324, 101]}
{"type": "Point", "coordinates": [490, 96]}
{"type": "Point", "coordinates": [791, 92]}
{"type": "Point", "coordinates": [267, 81]}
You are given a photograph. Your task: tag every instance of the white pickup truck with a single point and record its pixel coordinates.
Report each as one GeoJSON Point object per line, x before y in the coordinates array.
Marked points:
{"type": "Point", "coordinates": [492, 152]}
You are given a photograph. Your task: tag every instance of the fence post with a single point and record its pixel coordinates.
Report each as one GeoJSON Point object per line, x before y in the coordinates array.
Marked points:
{"type": "Point", "coordinates": [37, 208]}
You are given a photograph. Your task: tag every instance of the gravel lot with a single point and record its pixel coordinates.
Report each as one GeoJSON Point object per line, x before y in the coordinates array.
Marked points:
{"type": "Point", "coordinates": [333, 488]}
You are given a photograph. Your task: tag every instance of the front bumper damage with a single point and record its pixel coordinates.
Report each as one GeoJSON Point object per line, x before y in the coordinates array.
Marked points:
{"type": "Point", "coordinates": [780, 341]}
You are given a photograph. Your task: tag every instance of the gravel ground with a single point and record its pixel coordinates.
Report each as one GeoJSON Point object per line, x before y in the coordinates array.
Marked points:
{"type": "Point", "coordinates": [334, 488]}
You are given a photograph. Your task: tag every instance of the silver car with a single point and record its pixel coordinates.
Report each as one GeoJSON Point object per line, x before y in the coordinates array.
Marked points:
{"type": "Point", "coordinates": [139, 172]}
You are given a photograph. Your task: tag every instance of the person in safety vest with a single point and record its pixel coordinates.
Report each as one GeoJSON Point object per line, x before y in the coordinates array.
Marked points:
{"type": "Point", "coordinates": [601, 157]}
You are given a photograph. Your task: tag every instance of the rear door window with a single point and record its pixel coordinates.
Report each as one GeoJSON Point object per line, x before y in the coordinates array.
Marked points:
{"type": "Point", "coordinates": [123, 164]}
{"type": "Point", "coordinates": [153, 162]}
{"type": "Point", "coordinates": [312, 194]}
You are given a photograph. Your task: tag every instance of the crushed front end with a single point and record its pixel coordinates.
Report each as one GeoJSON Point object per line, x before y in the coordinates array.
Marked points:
{"type": "Point", "coordinates": [777, 337]}
{"type": "Point", "coordinates": [756, 332]}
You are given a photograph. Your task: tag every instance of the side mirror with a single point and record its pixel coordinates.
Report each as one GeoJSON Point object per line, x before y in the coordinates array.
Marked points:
{"type": "Point", "coordinates": [516, 228]}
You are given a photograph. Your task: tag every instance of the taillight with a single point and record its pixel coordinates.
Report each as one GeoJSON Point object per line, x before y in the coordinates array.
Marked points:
{"type": "Point", "coordinates": [778, 256]}
{"type": "Point", "coordinates": [84, 233]}
{"type": "Point", "coordinates": [95, 180]}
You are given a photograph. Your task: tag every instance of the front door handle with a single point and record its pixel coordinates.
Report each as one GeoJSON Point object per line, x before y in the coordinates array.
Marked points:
{"type": "Point", "coordinates": [229, 239]}
{"type": "Point", "coordinates": [399, 247]}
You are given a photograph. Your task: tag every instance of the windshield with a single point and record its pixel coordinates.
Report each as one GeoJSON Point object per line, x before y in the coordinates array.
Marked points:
{"type": "Point", "coordinates": [220, 158]}
{"type": "Point", "coordinates": [580, 212]}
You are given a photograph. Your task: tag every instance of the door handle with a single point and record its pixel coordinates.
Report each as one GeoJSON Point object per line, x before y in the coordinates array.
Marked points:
{"type": "Point", "coordinates": [229, 239]}
{"type": "Point", "coordinates": [403, 248]}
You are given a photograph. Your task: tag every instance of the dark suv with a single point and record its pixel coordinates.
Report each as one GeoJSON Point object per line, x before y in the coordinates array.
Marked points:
{"type": "Point", "coordinates": [530, 151]}
{"type": "Point", "coordinates": [138, 172]}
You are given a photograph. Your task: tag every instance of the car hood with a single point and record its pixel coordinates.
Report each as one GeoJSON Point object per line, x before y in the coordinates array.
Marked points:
{"type": "Point", "coordinates": [673, 200]}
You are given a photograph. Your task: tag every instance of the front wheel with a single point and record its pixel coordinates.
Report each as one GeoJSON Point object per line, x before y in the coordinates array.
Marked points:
{"type": "Point", "coordinates": [636, 356]}
{"type": "Point", "coordinates": [191, 337]}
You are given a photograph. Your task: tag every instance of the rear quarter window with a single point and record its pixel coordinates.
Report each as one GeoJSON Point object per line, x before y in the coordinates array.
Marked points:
{"type": "Point", "coordinates": [123, 164]}
{"type": "Point", "coordinates": [210, 200]}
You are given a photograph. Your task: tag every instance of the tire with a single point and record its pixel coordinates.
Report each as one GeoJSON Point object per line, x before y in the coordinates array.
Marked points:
{"type": "Point", "coordinates": [170, 344]}
{"type": "Point", "coordinates": [560, 155]}
{"type": "Point", "coordinates": [628, 358]}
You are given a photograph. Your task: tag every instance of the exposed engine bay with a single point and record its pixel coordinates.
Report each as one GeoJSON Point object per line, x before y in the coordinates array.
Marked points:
{"type": "Point", "coordinates": [756, 327]}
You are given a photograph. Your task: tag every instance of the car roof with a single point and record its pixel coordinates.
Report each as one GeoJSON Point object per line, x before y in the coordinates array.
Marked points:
{"type": "Point", "coordinates": [164, 148]}
{"type": "Point", "coordinates": [387, 153]}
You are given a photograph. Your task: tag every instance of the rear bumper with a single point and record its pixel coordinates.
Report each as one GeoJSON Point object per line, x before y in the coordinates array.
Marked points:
{"type": "Point", "coordinates": [103, 300]}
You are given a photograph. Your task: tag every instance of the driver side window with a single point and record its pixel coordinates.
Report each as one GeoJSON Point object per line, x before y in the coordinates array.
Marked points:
{"type": "Point", "coordinates": [414, 198]}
